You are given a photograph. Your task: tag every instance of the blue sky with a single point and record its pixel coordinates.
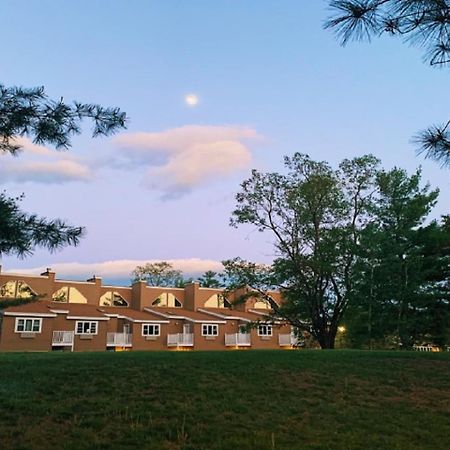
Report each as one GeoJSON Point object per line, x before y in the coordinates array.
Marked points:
{"type": "Point", "coordinates": [270, 81]}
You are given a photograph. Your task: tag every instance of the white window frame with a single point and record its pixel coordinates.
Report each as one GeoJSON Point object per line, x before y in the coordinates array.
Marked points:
{"type": "Point", "coordinates": [90, 322]}
{"type": "Point", "coordinates": [265, 330]}
{"type": "Point", "coordinates": [24, 320]}
{"type": "Point", "coordinates": [210, 329]}
{"type": "Point", "coordinates": [157, 327]}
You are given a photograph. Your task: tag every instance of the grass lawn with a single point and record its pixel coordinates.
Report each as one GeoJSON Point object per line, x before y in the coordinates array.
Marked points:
{"type": "Point", "coordinates": [225, 400]}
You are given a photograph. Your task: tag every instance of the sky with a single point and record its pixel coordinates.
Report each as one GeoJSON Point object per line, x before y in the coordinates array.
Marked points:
{"type": "Point", "coordinates": [269, 80]}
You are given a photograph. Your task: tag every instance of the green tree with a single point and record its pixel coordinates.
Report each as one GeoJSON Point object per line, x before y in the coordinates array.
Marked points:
{"type": "Point", "coordinates": [29, 112]}
{"type": "Point", "coordinates": [252, 279]}
{"type": "Point", "coordinates": [425, 23]}
{"type": "Point", "coordinates": [315, 215]}
{"type": "Point", "coordinates": [393, 295]}
{"type": "Point", "coordinates": [210, 279]}
{"type": "Point", "coordinates": [160, 273]}
{"type": "Point", "coordinates": [20, 232]}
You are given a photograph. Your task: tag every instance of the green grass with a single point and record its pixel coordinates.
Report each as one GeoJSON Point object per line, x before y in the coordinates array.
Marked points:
{"type": "Point", "coordinates": [225, 400]}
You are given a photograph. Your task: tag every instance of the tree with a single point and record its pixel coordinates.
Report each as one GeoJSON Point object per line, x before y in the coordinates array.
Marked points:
{"type": "Point", "coordinates": [160, 273]}
{"type": "Point", "coordinates": [29, 112]}
{"type": "Point", "coordinates": [20, 232]}
{"type": "Point", "coordinates": [210, 279]}
{"type": "Point", "coordinates": [252, 279]}
{"type": "Point", "coordinates": [390, 302]}
{"type": "Point", "coordinates": [420, 22]}
{"type": "Point", "coordinates": [315, 215]}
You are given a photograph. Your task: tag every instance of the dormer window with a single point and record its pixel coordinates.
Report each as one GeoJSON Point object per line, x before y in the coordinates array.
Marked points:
{"type": "Point", "coordinates": [166, 299]}
{"type": "Point", "coordinates": [112, 298]}
{"type": "Point", "coordinates": [16, 289]}
{"type": "Point", "coordinates": [69, 294]}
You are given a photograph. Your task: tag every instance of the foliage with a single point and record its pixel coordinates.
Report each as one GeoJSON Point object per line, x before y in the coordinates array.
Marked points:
{"type": "Point", "coordinates": [315, 214]}
{"type": "Point", "coordinates": [211, 279]}
{"type": "Point", "coordinates": [262, 400]}
{"type": "Point", "coordinates": [21, 232]}
{"type": "Point", "coordinates": [252, 279]}
{"type": "Point", "coordinates": [401, 266]}
{"type": "Point", "coordinates": [29, 112]}
{"type": "Point", "coordinates": [425, 23]}
{"type": "Point", "coordinates": [160, 273]}
{"type": "Point", "coordinates": [351, 249]}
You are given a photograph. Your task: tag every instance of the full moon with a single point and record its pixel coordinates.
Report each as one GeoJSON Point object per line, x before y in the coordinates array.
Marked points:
{"type": "Point", "coordinates": [191, 99]}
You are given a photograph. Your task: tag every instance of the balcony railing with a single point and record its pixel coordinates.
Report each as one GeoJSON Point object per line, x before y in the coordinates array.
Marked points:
{"type": "Point", "coordinates": [180, 340]}
{"type": "Point", "coordinates": [64, 338]}
{"type": "Point", "coordinates": [425, 348]}
{"type": "Point", "coordinates": [119, 340]}
{"type": "Point", "coordinates": [287, 340]}
{"type": "Point", "coordinates": [237, 340]}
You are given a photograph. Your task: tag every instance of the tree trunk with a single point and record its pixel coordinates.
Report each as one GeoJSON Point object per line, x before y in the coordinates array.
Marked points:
{"type": "Point", "coordinates": [327, 338]}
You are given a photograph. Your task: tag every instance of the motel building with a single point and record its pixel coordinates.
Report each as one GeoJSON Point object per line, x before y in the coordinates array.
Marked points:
{"type": "Point", "coordinates": [90, 316]}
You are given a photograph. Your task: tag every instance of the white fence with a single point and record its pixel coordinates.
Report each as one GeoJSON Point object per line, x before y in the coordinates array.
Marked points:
{"type": "Point", "coordinates": [425, 348]}
{"type": "Point", "coordinates": [180, 340]}
{"type": "Point", "coordinates": [237, 339]}
{"type": "Point", "coordinates": [119, 339]}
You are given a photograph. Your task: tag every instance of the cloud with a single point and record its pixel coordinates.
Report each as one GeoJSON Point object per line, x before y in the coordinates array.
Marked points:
{"type": "Point", "coordinates": [180, 159]}
{"type": "Point", "coordinates": [39, 164]}
{"type": "Point", "coordinates": [121, 269]}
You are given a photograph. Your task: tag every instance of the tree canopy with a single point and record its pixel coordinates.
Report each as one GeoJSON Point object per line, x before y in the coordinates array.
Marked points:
{"type": "Point", "coordinates": [315, 215]}
{"type": "Point", "coordinates": [161, 273]}
{"type": "Point", "coordinates": [210, 279]}
{"type": "Point", "coordinates": [20, 232]}
{"type": "Point", "coordinates": [335, 232]}
{"type": "Point", "coordinates": [29, 112]}
{"type": "Point", "coordinates": [425, 23]}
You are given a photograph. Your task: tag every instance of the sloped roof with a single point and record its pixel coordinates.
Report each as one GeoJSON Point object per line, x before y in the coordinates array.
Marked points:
{"type": "Point", "coordinates": [132, 314]}
{"type": "Point", "coordinates": [51, 309]}
{"type": "Point", "coordinates": [234, 314]}
{"type": "Point", "coordinates": [180, 313]}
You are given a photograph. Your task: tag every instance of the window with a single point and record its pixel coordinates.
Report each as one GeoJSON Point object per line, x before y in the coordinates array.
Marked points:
{"type": "Point", "coordinates": [85, 327]}
{"type": "Point", "coordinates": [217, 301]}
{"type": "Point", "coordinates": [28, 325]}
{"type": "Point", "coordinates": [112, 298]}
{"type": "Point", "coordinates": [261, 304]}
{"type": "Point", "coordinates": [264, 330]}
{"type": "Point", "coordinates": [210, 330]}
{"type": "Point", "coordinates": [16, 289]}
{"type": "Point", "coordinates": [150, 329]}
{"type": "Point", "coordinates": [69, 294]}
{"type": "Point", "coordinates": [167, 299]}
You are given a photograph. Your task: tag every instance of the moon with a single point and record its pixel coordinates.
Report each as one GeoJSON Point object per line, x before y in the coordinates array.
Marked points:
{"type": "Point", "coordinates": [191, 100]}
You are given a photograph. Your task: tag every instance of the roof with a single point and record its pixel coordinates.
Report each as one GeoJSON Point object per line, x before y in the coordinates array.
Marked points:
{"type": "Point", "coordinates": [132, 314]}
{"type": "Point", "coordinates": [39, 308]}
{"type": "Point", "coordinates": [180, 313]}
{"type": "Point", "coordinates": [226, 313]}
{"type": "Point", "coordinates": [43, 308]}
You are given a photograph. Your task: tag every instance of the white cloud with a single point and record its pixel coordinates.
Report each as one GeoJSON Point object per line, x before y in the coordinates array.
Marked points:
{"type": "Point", "coordinates": [179, 159]}
{"type": "Point", "coordinates": [39, 164]}
{"type": "Point", "coordinates": [121, 269]}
